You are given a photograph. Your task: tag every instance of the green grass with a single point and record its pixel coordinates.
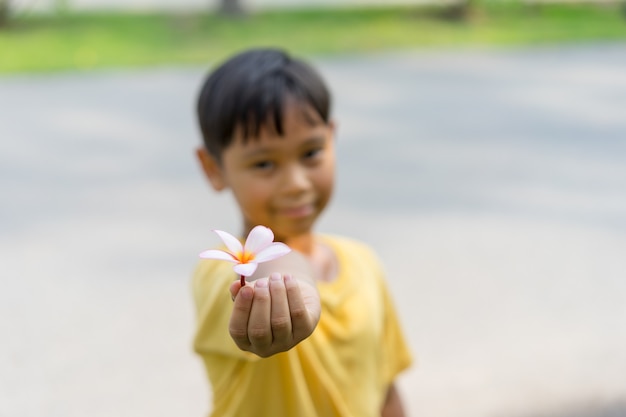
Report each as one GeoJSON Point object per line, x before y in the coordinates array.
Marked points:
{"type": "Point", "coordinates": [85, 41]}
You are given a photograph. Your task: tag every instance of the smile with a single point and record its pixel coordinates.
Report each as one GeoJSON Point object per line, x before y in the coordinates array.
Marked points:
{"type": "Point", "coordinates": [298, 211]}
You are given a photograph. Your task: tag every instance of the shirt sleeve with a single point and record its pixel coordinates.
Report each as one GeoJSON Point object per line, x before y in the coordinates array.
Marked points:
{"type": "Point", "coordinates": [396, 352]}
{"type": "Point", "coordinates": [395, 346]}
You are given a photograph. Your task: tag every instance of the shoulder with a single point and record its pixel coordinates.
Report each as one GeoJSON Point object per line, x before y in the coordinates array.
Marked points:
{"type": "Point", "coordinates": [208, 271]}
{"type": "Point", "coordinates": [349, 246]}
{"type": "Point", "coordinates": [354, 254]}
{"type": "Point", "coordinates": [211, 280]}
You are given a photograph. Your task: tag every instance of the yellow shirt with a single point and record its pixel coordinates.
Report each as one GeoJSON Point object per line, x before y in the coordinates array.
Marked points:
{"type": "Point", "coordinates": [343, 369]}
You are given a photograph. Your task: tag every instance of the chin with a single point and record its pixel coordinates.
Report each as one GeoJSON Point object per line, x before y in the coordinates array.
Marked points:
{"type": "Point", "coordinates": [296, 230]}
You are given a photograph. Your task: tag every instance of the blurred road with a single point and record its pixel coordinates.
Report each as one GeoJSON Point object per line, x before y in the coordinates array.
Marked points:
{"type": "Point", "coordinates": [492, 183]}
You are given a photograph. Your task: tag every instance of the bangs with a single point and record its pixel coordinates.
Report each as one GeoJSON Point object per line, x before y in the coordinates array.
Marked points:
{"type": "Point", "coordinates": [252, 91]}
{"type": "Point", "coordinates": [271, 117]}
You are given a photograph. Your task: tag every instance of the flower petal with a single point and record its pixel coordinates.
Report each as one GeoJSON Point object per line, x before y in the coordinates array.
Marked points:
{"type": "Point", "coordinates": [246, 269]}
{"type": "Point", "coordinates": [275, 250]}
{"type": "Point", "coordinates": [258, 239]}
{"type": "Point", "coordinates": [232, 243]}
{"type": "Point", "coordinates": [217, 254]}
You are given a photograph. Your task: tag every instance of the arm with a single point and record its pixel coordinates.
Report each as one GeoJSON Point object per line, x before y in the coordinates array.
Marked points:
{"type": "Point", "coordinates": [393, 404]}
{"type": "Point", "coordinates": [276, 310]}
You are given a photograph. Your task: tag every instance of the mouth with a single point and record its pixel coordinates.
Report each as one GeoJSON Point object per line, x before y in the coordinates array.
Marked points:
{"type": "Point", "coordinates": [297, 212]}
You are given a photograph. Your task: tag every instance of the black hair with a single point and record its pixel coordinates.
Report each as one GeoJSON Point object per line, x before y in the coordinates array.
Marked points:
{"type": "Point", "coordinates": [249, 91]}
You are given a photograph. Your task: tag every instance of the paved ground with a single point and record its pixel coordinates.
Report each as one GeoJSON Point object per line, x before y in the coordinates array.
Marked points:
{"type": "Point", "coordinates": [497, 178]}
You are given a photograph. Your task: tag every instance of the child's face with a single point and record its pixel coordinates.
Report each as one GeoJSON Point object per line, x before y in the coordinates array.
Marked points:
{"type": "Point", "coordinates": [282, 182]}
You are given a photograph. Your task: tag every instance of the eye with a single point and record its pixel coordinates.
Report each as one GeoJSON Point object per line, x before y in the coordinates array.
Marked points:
{"type": "Point", "coordinates": [263, 165]}
{"type": "Point", "coordinates": [312, 153]}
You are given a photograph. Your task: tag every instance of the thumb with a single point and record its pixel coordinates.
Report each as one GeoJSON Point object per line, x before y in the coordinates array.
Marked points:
{"type": "Point", "coordinates": [234, 289]}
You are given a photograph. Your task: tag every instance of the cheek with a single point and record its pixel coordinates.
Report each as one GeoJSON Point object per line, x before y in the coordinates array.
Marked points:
{"type": "Point", "coordinates": [251, 194]}
{"type": "Point", "coordinates": [325, 179]}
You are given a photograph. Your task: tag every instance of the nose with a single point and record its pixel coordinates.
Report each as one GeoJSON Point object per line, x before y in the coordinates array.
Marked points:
{"type": "Point", "coordinates": [295, 179]}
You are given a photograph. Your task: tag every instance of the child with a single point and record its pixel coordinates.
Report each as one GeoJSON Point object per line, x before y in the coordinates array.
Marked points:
{"type": "Point", "coordinates": [313, 333]}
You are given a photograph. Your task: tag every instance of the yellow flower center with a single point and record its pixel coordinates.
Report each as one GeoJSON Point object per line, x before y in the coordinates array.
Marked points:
{"type": "Point", "coordinates": [245, 257]}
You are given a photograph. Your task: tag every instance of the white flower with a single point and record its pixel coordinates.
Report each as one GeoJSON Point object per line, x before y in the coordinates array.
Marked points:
{"type": "Point", "coordinates": [259, 247]}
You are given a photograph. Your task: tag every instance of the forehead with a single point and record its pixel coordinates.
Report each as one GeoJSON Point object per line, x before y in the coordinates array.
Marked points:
{"type": "Point", "coordinates": [296, 121]}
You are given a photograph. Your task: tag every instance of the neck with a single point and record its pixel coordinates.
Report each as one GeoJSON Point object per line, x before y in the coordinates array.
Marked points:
{"type": "Point", "coordinates": [304, 243]}
{"type": "Point", "coordinates": [321, 257]}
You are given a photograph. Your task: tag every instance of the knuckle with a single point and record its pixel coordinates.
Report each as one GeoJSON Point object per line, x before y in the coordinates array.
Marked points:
{"type": "Point", "coordinates": [292, 289]}
{"type": "Point", "coordinates": [257, 333]}
{"type": "Point", "coordinates": [238, 334]}
{"type": "Point", "coordinates": [298, 313]}
{"type": "Point", "coordinates": [281, 323]}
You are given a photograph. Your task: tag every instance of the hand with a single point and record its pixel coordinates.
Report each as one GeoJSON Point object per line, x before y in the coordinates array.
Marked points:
{"type": "Point", "coordinates": [393, 404]}
{"type": "Point", "coordinates": [274, 314]}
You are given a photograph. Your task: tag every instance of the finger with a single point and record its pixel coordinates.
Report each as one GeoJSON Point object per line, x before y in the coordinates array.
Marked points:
{"type": "Point", "coordinates": [259, 327]}
{"type": "Point", "coordinates": [234, 289]}
{"type": "Point", "coordinates": [297, 309]}
{"type": "Point", "coordinates": [280, 319]}
{"type": "Point", "coordinates": [238, 326]}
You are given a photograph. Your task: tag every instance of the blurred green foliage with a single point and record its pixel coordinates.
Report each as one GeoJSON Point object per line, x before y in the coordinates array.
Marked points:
{"type": "Point", "coordinates": [79, 41]}
{"type": "Point", "coordinates": [4, 12]}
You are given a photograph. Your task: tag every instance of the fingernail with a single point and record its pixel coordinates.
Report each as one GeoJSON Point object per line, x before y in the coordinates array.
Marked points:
{"type": "Point", "coordinates": [246, 293]}
{"type": "Point", "coordinates": [261, 283]}
{"type": "Point", "coordinates": [275, 276]}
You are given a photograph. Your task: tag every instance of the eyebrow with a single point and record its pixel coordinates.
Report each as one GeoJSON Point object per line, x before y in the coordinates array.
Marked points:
{"type": "Point", "coordinates": [257, 153]}
{"type": "Point", "coordinates": [264, 150]}
{"type": "Point", "coordinates": [314, 140]}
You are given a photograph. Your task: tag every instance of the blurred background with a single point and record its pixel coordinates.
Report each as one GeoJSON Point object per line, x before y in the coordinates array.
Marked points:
{"type": "Point", "coordinates": [481, 147]}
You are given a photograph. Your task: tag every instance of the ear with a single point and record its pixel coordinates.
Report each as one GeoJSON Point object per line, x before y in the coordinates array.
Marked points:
{"type": "Point", "coordinates": [212, 169]}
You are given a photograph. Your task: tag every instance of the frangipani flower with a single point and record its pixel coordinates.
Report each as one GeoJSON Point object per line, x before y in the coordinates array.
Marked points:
{"type": "Point", "coordinates": [259, 247]}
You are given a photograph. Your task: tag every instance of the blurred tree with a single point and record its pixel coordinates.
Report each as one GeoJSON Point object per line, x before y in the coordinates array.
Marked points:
{"type": "Point", "coordinates": [230, 8]}
{"type": "Point", "coordinates": [461, 10]}
{"type": "Point", "coordinates": [4, 12]}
